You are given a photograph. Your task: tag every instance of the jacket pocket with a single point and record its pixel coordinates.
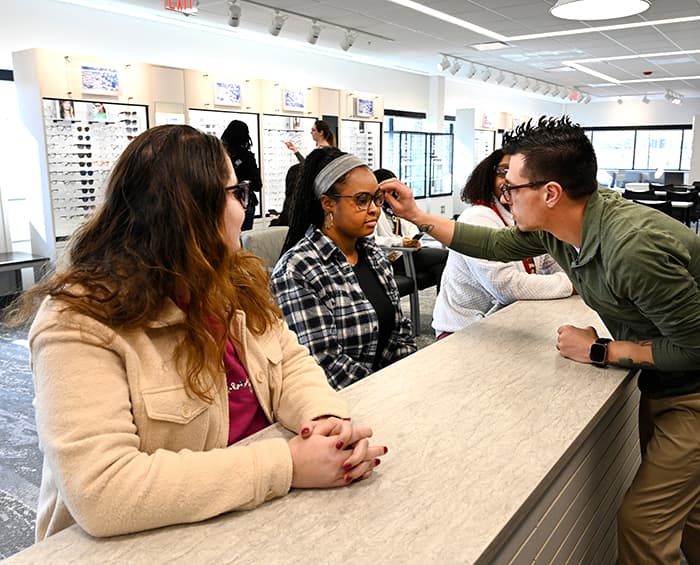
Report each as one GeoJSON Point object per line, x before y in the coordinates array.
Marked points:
{"type": "Point", "coordinates": [172, 404]}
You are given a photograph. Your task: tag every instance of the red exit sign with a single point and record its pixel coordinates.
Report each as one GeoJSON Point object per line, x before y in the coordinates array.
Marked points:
{"type": "Point", "coordinates": [186, 7]}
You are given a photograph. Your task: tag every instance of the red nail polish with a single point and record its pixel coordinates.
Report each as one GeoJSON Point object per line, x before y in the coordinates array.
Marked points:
{"type": "Point", "coordinates": [347, 419]}
{"type": "Point", "coordinates": [347, 466]}
{"type": "Point", "coordinates": [305, 431]}
{"type": "Point", "coordinates": [348, 479]}
{"type": "Point", "coordinates": [377, 462]}
{"type": "Point", "coordinates": [339, 445]}
{"type": "Point", "coordinates": [386, 450]}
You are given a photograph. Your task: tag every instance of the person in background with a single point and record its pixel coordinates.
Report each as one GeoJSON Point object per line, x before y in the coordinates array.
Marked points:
{"type": "Point", "coordinates": [290, 183]}
{"type": "Point", "coordinates": [99, 110]}
{"type": "Point", "coordinates": [393, 232]}
{"type": "Point", "coordinates": [639, 269]}
{"type": "Point", "coordinates": [474, 288]}
{"type": "Point", "coordinates": [143, 353]}
{"type": "Point", "coordinates": [236, 139]}
{"type": "Point", "coordinates": [334, 284]}
{"type": "Point", "coordinates": [321, 134]}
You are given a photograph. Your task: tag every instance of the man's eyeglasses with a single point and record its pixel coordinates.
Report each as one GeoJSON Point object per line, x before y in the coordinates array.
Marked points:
{"type": "Point", "coordinates": [501, 171]}
{"type": "Point", "coordinates": [506, 188]}
{"type": "Point", "coordinates": [241, 191]}
{"type": "Point", "coordinates": [362, 199]}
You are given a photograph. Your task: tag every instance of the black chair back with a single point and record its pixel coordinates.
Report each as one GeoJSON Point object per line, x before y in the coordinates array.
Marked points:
{"type": "Point", "coordinates": [666, 207]}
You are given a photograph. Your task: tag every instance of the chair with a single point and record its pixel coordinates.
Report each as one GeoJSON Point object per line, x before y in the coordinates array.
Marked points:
{"type": "Point", "coordinates": [266, 243]}
{"type": "Point", "coordinates": [664, 206]}
{"type": "Point", "coordinates": [645, 195]}
{"type": "Point", "coordinates": [690, 214]}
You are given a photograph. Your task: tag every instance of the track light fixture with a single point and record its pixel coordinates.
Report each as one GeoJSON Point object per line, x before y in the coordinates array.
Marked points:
{"type": "Point", "coordinates": [277, 23]}
{"type": "Point", "coordinates": [444, 64]}
{"type": "Point", "coordinates": [456, 65]}
{"type": "Point", "coordinates": [314, 32]}
{"type": "Point", "coordinates": [348, 40]}
{"type": "Point", "coordinates": [673, 97]}
{"type": "Point", "coordinates": [645, 100]}
{"type": "Point", "coordinates": [234, 13]}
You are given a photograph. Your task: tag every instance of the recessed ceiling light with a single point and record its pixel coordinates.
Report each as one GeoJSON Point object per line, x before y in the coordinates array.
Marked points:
{"type": "Point", "coordinates": [597, 9]}
{"type": "Point", "coordinates": [490, 46]}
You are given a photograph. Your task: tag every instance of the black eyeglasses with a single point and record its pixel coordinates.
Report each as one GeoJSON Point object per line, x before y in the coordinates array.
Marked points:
{"type": "Point", "coordinates": [500, 171]}
{"type": "Point", "coordinates": [241, 191]}
{"type": "Point", "coordinates": [506, 188]}
{"type": "Point", "coordinates": [362, 199]}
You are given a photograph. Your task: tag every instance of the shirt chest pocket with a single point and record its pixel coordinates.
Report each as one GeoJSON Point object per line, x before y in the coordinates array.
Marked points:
{"type": "Point", "coordinates": [173, 419]}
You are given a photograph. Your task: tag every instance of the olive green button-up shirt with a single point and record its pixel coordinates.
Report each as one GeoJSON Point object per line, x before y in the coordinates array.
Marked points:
{"type": "Point", "coordinates": [637, 268]}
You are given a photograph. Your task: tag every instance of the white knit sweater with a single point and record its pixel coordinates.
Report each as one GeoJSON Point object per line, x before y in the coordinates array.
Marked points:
{"type": "Point", "coordinates": [474, 288]}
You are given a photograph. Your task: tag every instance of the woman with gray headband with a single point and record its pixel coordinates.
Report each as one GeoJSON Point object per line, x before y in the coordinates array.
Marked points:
{"type": "Point", "coordinates": [334, 284]}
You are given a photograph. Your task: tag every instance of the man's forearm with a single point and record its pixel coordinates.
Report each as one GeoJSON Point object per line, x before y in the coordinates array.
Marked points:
{"type": "Point", "coordinates": [440, 228]}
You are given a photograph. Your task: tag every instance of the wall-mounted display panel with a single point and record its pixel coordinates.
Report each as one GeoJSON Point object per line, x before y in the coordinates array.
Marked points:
{"type": "Point", "coordinates": [362, 139]}
{"type": "Point", "coordinates": [83, 140]}
{"type": "Point", "coordinates": [214, 122]}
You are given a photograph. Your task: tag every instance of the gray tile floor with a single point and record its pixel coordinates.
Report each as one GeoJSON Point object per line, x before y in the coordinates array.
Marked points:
{"type": "Point", "coordinates": [20, 458]}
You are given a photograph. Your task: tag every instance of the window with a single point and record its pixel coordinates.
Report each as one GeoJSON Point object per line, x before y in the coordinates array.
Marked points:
{"type": "Point", "coordinates": [614, 149]}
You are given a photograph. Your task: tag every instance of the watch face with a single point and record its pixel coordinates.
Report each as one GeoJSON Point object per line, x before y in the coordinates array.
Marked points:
{"type": "Point", "coordinates": [598, 352]}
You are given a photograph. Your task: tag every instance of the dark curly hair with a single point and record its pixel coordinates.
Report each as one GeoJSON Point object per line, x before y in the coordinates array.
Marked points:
{"type": "Point", "coordinates": [479, 187]}
{"type": "Point", "coordinates": [555, 149]}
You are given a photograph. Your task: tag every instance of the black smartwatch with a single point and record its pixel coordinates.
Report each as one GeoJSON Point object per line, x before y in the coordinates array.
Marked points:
{"type": "Point", "coordinates": [599, 352]}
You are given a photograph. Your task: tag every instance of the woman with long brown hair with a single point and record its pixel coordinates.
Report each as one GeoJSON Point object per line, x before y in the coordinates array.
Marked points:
{"type": "Point", "coordinates": [160, 345]}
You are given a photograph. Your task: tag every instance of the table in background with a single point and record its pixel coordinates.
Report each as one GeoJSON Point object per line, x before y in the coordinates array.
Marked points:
{"type": "Point", "coordinates": [500, 450]}
{"type": "Point", "coordinates": [16, 261]}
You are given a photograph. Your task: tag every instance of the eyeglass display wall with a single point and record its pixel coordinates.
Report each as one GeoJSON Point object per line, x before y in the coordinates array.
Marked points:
{"type": "Point", "coordinates": [83, 140]}
{"type": "Point", "coordinates": [277, 158]}
{"type": "Point", "coordinates": [484, 144]}
{"type": "Point", "coordinates": [423, 161]}
{"type": "Point", "coordinates": [363, 139]}
{"type": "Point", "coordinates": [214, 122]}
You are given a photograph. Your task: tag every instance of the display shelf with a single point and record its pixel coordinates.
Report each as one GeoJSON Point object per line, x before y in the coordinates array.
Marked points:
{"type": "Point", "coordinates": [83, 141]}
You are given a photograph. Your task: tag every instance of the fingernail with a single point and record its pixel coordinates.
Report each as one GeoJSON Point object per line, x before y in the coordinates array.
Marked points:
{"type": "Point", "coordinates": [339, 445]}
{"type": "Point", "coordinates": [377, 462]}
{"type": "Point", "coordinates": [347, 419]}
{"type": "Point", "coordinates": [305, 431]}
{"type": "Point", "coordinates": [347, 466]}
{"type": "Point", "coordinates": [386, 450]}
{"type": "Point", "coordinates": [348, 479]}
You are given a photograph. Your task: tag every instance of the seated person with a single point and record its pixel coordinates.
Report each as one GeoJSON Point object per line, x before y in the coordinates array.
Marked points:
{"type": "Point", "coordinates": [334, 284]}
{"type": "Point", "coordinates": [474, 288]}
{"type": "Point", "coordinates": [142, 350]}
{"type": "Point", "coordinates": [391, 231]}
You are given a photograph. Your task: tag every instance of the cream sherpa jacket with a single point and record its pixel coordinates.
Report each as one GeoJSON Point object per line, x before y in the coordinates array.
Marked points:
{"type": "Point", "coordinates": [126, 449]}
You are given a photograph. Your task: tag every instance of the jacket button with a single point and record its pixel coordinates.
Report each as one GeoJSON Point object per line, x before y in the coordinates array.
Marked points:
{"type": "Point", "coordinates": [260, 376]}
{"type": "Point", "coordinates": [186, 411]}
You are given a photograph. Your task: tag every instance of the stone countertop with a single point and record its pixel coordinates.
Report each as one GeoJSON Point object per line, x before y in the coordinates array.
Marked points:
{"type": "Point", "coordinates": [476, 425]}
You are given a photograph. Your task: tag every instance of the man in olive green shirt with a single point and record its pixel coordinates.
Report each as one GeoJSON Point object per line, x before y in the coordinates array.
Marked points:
{"type": "Point", "coordinates": [640, 270]}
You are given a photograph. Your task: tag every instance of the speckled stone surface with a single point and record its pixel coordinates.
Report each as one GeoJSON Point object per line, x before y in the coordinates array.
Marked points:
{"type": "Point", "coordinates": [474, 424]}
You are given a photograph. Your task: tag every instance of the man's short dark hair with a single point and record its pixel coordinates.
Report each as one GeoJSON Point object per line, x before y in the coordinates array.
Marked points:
{"type": "Point", "coordinates": [555, 149]}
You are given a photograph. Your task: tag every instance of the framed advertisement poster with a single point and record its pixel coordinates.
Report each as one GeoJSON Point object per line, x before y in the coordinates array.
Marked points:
{"type": "Point", "coordinates": [293, 100]}
{"type": "Point", "coordinates": [99, 80]}
{"type": "Point", "coordinates": [227, 93]}
{"type": "Point", "coordinates": [364, 107]}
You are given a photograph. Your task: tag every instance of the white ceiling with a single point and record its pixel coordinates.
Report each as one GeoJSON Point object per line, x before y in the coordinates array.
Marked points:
{"type": "Point", "coordinates": [398, 37]}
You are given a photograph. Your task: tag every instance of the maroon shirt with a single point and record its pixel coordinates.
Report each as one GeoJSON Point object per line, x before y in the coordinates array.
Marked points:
{"type": "Point", "coordinates": [245, 414]}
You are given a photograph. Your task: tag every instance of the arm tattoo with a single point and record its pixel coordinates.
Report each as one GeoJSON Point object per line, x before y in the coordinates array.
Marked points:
{"type": "Point", "coordinates": [628, 363]}
{"type": "Point", "coordinates": [426, 228]}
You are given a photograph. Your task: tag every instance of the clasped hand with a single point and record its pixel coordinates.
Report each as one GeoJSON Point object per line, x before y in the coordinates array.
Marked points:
{"type": "Point", "coordinates": [332, 452]}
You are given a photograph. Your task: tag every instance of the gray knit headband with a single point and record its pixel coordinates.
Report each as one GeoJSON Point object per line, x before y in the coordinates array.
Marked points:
{"type": "Point", "coordinates": [334, 170]}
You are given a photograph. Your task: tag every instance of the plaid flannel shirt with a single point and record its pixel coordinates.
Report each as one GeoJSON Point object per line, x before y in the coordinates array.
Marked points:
{"type": "Point", "coordinates": [323, 303]}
